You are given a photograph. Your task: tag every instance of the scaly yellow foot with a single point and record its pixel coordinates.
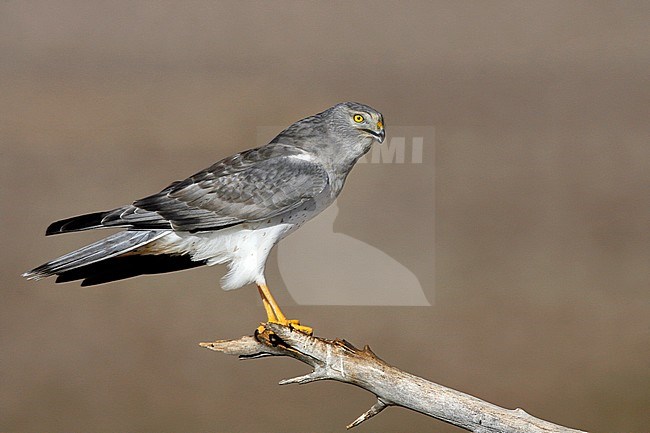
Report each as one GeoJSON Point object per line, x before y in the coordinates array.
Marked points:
{"type": "Point", "coordinates": [275, 315]}
{"type": "Point", "coordinates": [291, 323]}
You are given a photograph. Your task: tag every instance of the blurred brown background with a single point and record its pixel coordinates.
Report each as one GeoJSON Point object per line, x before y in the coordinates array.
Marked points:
{"type": "Point", "coordinates": [542, 247]}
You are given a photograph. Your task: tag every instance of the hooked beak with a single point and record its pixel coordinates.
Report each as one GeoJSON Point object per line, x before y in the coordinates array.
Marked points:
{"type": "Point", "coordinates": [382, 132]}
{"type": "Point", "coordinates": [381, 135]}
{"type": "Point", "coordinates": [378, 134]}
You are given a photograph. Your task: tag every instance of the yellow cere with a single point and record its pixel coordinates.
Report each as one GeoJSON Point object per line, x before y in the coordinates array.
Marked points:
{"type": "Point", "coordinates": [358, 118]}
{"type": "Point", "coordinates": [380, 125]}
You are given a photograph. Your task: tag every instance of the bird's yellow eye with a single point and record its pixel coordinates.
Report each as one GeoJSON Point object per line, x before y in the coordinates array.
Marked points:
{"type": "Point", "coordinates": [358, 118]}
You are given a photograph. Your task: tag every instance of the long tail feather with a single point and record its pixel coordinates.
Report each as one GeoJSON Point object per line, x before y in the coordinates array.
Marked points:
{"type": "Point", "coordinates": [112, 246]}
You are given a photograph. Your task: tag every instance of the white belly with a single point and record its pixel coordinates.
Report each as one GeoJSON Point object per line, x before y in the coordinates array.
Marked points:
{"type": "Point", "coordinates": [244, 250]}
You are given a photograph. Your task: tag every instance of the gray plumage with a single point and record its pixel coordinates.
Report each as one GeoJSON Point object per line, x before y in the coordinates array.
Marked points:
{"type": "Point", "coordinates": [270, 190]}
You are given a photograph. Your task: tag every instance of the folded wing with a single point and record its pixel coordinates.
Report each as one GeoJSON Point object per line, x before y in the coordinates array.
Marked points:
{"type": "Point", "coordinates": [249, 186]}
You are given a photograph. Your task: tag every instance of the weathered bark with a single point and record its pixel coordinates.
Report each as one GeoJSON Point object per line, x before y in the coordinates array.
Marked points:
{"type": "Point", "coordinates": [339, 360]}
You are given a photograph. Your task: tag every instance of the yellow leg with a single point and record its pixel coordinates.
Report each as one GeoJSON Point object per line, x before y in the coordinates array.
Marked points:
{"type": "Point", "coordinates": [275, 315]}
{"type": "Point", "coordinates": [270, 314]}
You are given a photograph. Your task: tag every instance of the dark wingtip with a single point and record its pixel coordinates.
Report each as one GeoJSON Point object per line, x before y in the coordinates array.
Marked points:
{"type": "Point", "coordinates": [77, 223]}
{"type": "Point", "coordinates": [54, 228]}
{"type": "Point", "coordinates": [122, 267]}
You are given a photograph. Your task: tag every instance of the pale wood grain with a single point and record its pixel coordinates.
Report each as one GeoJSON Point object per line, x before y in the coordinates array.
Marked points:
{"type": "Point", "coordinates": [339, 360]}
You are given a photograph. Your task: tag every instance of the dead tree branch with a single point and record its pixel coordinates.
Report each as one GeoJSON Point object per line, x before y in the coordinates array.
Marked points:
{"type": "Point", "coordinates": [339, 360]}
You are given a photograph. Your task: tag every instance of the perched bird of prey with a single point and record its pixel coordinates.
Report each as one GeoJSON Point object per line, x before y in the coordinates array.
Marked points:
{"type": "Point", "coordinates": [233, 212]}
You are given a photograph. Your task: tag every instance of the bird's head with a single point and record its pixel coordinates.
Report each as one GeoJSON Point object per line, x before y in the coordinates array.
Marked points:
{"type": "Point", "coordinates": [356, 121]}
{"type": "Point", "coordinates": [339, 135]}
